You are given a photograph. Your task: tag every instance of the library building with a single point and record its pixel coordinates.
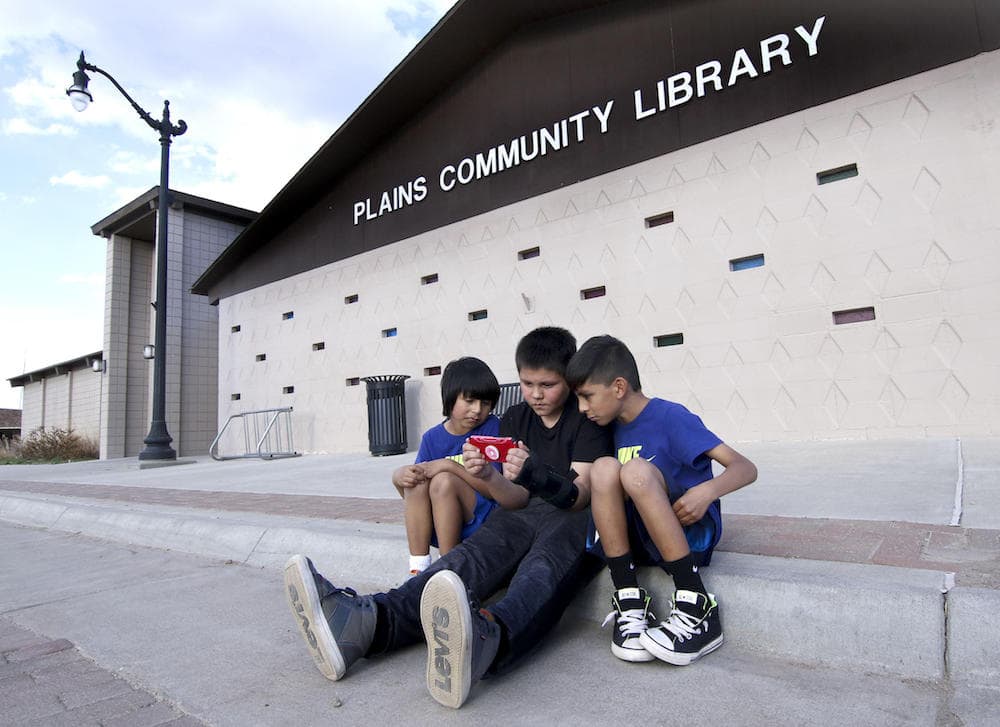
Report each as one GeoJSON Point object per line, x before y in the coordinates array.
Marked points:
{"type": "Point", "coordinates": [784, 208]}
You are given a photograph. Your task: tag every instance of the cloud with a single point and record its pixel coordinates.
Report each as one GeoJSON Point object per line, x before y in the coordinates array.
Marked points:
{"type": "Point", "coordinates": [12, 127]}
{"type": "Point", "coordinates": [128, 162]}
{"type": "Point", "coordinates": [81, 181]}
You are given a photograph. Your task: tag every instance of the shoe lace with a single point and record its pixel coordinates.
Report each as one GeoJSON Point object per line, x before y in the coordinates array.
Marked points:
{"type": "Point", "coordinates": [630, 623]}
{"type": "Point", "coordinates": [683, 625]}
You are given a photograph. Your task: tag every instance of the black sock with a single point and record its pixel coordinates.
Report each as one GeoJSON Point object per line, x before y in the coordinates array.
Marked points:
{"type": "Point", "coordinates": [684, 571]}
{"type": "Point", "coordinates": [623, 572]}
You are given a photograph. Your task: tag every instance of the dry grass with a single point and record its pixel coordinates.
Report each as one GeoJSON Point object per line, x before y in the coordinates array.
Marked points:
{"type": "Point", "coordinates": [48, 446]}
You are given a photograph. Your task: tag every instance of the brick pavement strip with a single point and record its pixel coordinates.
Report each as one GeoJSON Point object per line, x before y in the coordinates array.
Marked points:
{"type": "Point", "coordinates": [48, 682]}
{"type": "Point", "coordinates": [972, 554]}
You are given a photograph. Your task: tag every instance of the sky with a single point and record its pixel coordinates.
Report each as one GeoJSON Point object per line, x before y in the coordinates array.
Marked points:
{"type": "Point", "coordinates": [261, 84]}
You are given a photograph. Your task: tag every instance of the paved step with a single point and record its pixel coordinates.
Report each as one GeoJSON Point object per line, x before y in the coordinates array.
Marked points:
{"type": "Point", "coordinates": [895, 621]}
{"type": "Point", "coordinates": [218, 641]}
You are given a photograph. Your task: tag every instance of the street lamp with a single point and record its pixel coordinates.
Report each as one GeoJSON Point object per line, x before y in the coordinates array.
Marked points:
{"type": "Point", "coordinates": [158, 440]}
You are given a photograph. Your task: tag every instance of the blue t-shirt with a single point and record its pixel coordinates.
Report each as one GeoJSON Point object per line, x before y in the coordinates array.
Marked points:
{"type": "Point", "coordinates": [439, 443]}
{"type": "Point", "coordinates": [675, 440]}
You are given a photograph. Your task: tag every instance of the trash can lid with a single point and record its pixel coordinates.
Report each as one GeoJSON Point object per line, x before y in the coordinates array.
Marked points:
{"type": "Point", "coordinates": [385, 378]}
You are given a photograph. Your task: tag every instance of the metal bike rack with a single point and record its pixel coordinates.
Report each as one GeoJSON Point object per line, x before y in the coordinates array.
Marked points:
{"type": "Point", "coordinates": [267, 434]}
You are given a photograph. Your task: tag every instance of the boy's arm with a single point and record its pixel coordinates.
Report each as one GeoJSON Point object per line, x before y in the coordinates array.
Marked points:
{"type": "Point", "coordinates": [568, 491]}
{"type": "Point", "coordinates": [739, 472]}
{"type": "Point", "coordinates": [437, 466]}
{"type": "Point", "coordinates": [507, 494]}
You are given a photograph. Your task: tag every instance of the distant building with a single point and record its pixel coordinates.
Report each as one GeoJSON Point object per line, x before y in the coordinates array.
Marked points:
{"type": "Point", "coordinates": [107, 395]}
{"type": "Point", "coordinates": [10, 423]}
{"type": "Point", "coordinates": [65, 395]}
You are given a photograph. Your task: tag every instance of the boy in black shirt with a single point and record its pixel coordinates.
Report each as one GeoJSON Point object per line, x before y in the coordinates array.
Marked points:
{"type": "Point", "coordinates": [533, 545]}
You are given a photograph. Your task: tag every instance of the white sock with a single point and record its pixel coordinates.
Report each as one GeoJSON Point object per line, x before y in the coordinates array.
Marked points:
{"type": "Point", "coordinates": [420, 563]}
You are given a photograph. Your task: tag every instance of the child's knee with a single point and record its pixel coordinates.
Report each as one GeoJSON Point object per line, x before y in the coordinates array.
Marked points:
{"type": "Point", "coordinates": [605, 475]}
{"type": "Point", "coordinates": [444, 484]}
{"type": "Point", "coordinates": [639, 475]}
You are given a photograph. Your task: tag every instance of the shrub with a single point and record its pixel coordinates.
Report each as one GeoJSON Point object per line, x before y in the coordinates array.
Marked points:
{"type": "Point", "coordinates": [55, 445]}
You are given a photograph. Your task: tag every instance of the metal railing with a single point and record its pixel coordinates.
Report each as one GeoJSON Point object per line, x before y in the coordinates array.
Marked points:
{"type": "Point", "coordinates": [267, 433]}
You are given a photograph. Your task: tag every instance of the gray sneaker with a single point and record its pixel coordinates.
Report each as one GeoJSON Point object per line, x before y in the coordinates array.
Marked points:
{"type": "Point", "coordinates": [461, 642]}
{"type": "Point", "coordinates": [337, 624]}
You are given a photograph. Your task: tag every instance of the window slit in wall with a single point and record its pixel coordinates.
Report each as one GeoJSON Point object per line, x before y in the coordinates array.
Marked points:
{"type": "Point", "coordinates": [745, 263]}
{"type": "Point", "coordinates": [668, 339]}
{"type": "Point", "coordinates": [853, 315]}
{"type": "Point", "coordinates": [664, 218]}
{"type": "Point", "coordinates": [836, 174]}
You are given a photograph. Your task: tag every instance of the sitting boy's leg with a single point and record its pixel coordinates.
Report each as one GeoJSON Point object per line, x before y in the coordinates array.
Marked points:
{"type": "Point", "coordinates": [607, 503]}
{"type": "Point", "coordinates": [452, 505]}
{"type": "Point", "coordinates": [692, 628]}
{"type": "Point", "coordinates": [629, 602]}
{"type": "Point", "coordinates": [419, 525]}
{"type": "Point", "coordinates": [461, 641]}
{"type": "Point", "coordinates": [337, 624]}
{"type": "Point", "coordinates": [549, 576]}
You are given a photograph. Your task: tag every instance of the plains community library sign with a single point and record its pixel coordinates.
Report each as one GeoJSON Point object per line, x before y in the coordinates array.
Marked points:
{"type": "Point", "coordinates": [667, 93]}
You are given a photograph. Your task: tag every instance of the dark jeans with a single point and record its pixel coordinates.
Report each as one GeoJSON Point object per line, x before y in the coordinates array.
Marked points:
{"type": "Point", "coordinates": [537, 553]}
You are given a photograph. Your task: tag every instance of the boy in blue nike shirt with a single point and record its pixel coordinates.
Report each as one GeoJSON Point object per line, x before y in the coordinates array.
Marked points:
{"type": "Point", "coordinates": [656, 504]}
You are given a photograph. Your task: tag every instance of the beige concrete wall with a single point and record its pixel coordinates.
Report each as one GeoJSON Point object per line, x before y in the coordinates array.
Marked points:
{"type": "Point", "coordinates": [913, 236]}
{"type": "Point", "coordinates": [194, 241]}
{"type": "Point", "coordinates": [32, 404]}
{"type": "Point", "coordinates": [70, 401]}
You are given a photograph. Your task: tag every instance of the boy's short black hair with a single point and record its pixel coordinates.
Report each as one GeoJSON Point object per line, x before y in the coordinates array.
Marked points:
{"type": "Point", "coordinates": [548, 347]}
{"type": "Point", "coordinates": [470, 377]}
{"type": "Point", "coordinates": [602, 359]}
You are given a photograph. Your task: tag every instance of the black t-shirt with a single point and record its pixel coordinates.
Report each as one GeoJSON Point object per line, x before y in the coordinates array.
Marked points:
{"type": "Point", "coordinates": [574, 438]}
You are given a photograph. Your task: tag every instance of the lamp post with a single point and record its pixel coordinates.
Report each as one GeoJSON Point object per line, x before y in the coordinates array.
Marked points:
{"type": "Point", "coordinates": [158, 440]}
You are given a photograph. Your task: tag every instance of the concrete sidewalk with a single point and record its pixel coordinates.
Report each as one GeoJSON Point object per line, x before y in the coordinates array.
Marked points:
{"type": "Point", "coordinates": [877, 557]}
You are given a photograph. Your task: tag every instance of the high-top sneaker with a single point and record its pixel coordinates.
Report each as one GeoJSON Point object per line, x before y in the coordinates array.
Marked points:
{"type": "Point", "coordinates": [337, 624]}
{"type": "Point", "coordinates": [461, 642]}
{"type": "Point", "coordinates": [632, 618]}
{"type": "Point", "coordinates": [692, 630]}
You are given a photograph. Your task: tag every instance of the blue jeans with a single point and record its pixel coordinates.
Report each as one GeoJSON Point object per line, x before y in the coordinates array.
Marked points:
{"type": "Point", "coordinates": [537, 553]}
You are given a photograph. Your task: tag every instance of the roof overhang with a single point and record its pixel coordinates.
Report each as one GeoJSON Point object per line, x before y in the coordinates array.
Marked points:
{"type": "Point", "coordinates": [468, 32]}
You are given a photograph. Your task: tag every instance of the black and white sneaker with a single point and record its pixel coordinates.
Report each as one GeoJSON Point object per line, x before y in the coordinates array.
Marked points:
{"type": "Point", "coordinates": [632, 618]}
{"type": "Point", "coordinates": [337, 624]}
{"type": "Point", "coordinates": [461, 642]}
{"type": "Point", "coordinates": [692, 630]}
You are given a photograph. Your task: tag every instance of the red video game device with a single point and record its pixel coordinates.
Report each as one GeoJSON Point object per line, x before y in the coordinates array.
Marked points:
{"type": "Point", "coordinates": [493, 448]}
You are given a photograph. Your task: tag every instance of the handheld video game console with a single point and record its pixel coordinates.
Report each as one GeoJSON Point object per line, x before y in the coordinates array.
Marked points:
{"type": "Point", "coordinates": [493, 448]}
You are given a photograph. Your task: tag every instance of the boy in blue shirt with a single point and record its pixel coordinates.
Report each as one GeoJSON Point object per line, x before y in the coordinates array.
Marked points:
{"type": "Point", "coordinates": [656, 504]}
{"type": "Point", "coordinates": [443, 503]}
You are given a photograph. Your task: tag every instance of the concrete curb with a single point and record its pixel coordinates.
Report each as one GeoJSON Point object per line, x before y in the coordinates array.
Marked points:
{"type": "Point", "coordinates": [871, 618]}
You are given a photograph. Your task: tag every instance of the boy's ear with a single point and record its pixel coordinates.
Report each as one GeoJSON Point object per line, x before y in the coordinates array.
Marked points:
{"type": "Point", "coordinates": [620, 386]}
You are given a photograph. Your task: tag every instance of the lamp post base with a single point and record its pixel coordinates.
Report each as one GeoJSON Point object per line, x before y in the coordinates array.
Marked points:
{"type": "Point", "coordinates": [157, 448]}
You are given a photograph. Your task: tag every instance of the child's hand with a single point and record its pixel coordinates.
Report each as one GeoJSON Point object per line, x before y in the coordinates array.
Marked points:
{"type": "Point", "coordinates": [473, 460]}
{"type": "Point", "coordinates": [515, 461]}
{"type": "Point", "coordinates": [411, 476]}
{"type": "Point", "coordinates": [693, 504]}
{"type": "Point", "coordinates": [433, 468]}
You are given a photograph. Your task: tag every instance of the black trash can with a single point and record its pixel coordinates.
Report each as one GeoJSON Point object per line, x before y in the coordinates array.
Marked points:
{"type": "Point", "coordinates": [386, 414]}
